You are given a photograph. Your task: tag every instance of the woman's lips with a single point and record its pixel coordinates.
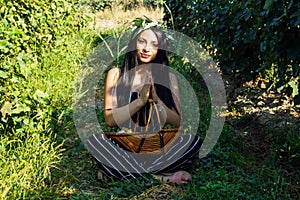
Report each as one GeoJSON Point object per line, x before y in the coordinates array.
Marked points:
{"type": "Point", "coordinates": [143, 55]}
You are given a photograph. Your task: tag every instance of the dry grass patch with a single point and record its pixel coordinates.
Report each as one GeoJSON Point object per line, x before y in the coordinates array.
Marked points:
{"type": "Point", "coordinates": [160, 192]}
{"type": "Point", "coordinates": [116, 17]}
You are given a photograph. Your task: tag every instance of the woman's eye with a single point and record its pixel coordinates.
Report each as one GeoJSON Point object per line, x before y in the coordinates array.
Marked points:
{"type": "Point", "coordinates": [141, 41]}
{"type": "Point", "coordinates": [155, 45]}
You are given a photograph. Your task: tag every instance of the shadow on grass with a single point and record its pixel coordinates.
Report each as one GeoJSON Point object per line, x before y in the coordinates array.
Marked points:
{"type": "Point", "coordinates": [266, 125]}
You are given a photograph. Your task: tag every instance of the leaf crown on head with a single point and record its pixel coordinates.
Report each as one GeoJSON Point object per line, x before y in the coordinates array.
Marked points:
{"type": "Point", "coordinates": [141, 24]}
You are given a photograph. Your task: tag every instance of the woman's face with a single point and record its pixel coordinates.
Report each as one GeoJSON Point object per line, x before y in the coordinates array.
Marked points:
{"type": "Point", "coordinates": [147, 46]}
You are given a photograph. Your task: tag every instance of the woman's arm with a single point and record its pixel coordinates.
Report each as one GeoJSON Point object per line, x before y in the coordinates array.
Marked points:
{"type": "Point", "coordinates": [113, 114]}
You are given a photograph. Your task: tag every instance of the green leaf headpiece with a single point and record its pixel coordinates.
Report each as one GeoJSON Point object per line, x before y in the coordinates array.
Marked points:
{"type": "Point", "coordinates": [141, 24]}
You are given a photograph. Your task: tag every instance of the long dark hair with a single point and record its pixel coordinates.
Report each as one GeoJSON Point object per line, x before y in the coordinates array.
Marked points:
{"type": "Point", "coordinates": [161, 73]}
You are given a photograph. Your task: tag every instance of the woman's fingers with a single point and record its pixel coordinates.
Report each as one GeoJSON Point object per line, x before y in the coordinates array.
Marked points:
{"type": "Point", "coordinates": [154, 94]}
{"type": "Point", "coordinates": [145, 93]}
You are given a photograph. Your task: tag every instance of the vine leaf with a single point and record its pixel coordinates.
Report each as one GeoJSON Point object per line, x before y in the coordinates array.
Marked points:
{"type": "Point", "coordinates": [268, 4]}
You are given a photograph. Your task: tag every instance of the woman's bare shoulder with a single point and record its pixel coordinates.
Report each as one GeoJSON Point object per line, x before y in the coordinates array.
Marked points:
{"type": "Point", "coordinates": [113, 75]}
{"type": "Point", "coordinates": [113, 71]}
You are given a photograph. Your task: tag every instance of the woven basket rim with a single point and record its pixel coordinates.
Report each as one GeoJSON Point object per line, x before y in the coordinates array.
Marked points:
{"type": "Point", "coordinates": [138, 133]}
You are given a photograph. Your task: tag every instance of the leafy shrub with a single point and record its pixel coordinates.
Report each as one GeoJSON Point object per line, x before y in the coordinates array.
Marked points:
{"type": "Point", "coordinates": [36, 61]}
{"type": "Point", "coordinates": [28, 26]}
{"type": "Point", "coordinates": [153, 3]}
{"type": "Point", "coordinates": [247, 38]}
{"type": "Point", "coordinates": [98, 5]}
{"type": "Point", "coordinates": [130, 4]}
{"type": "Point", "coordinates": [27, 30]}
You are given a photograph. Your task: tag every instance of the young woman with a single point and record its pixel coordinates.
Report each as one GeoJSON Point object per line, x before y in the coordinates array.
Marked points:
{"type": "Point", "coordinates": [144, 78]}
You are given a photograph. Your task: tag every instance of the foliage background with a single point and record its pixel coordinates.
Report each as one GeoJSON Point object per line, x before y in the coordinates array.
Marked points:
{"type": "Point", "coordinates": [29, 30]}
{"type": "Point", "coordinates": [249, 39]}
{"type": "Point", "coordinates": [35, 37]}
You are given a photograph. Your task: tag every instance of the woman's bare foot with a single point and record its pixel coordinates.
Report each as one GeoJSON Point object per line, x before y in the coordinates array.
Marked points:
{"type": "Point", "coordinates": [180, 177]}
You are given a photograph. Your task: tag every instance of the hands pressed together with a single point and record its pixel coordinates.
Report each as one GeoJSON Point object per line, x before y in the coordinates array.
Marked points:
{"type": "Point", "coordinates": [115, 116]}
{"type": "Point", "coordinates": [148, 94]}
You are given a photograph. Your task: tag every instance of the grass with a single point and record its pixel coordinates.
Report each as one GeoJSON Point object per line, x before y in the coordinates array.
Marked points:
{"type": "Point", "coordinates": [250, 160]}
{"type": "Point", "coordinates": [26, 164]}
{"type": "Point", "coordinates": [25, 169]}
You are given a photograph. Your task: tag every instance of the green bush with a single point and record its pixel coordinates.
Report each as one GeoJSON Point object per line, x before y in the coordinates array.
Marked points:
{"type": "Point", "coordinates": [37, 65]}
{"type": "Point", "coordinates": [152, 4]}
{"type": "Point", "coordinates": [97, 5]}
{"type": "Point", "coordinates": [247, 38]}
{"type": "Point", "coordinates": [28, 26]}
{"type": "Point", "coordinates": [27, 30]}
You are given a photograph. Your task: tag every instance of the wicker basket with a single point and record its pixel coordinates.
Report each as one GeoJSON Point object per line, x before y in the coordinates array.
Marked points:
{"type": "Point", "coordinates": [145, 142]}
{"type": "Point", "coordinates": [138, 143]}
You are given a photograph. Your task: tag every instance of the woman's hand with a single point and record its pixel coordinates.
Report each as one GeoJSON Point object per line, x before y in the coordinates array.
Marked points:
{"type": "Point", "coordinates": [145, 93]}
{"type": "Point", "coordinates": [154, 95]}
{"type": "Point", "coordinates": [148, 93]}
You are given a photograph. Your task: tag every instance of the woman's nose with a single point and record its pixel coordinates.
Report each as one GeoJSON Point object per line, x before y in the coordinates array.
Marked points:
{"type": "Point", "coordinates": [145, 50]}
{"type": "Point", "coordinates": [147, 47]}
